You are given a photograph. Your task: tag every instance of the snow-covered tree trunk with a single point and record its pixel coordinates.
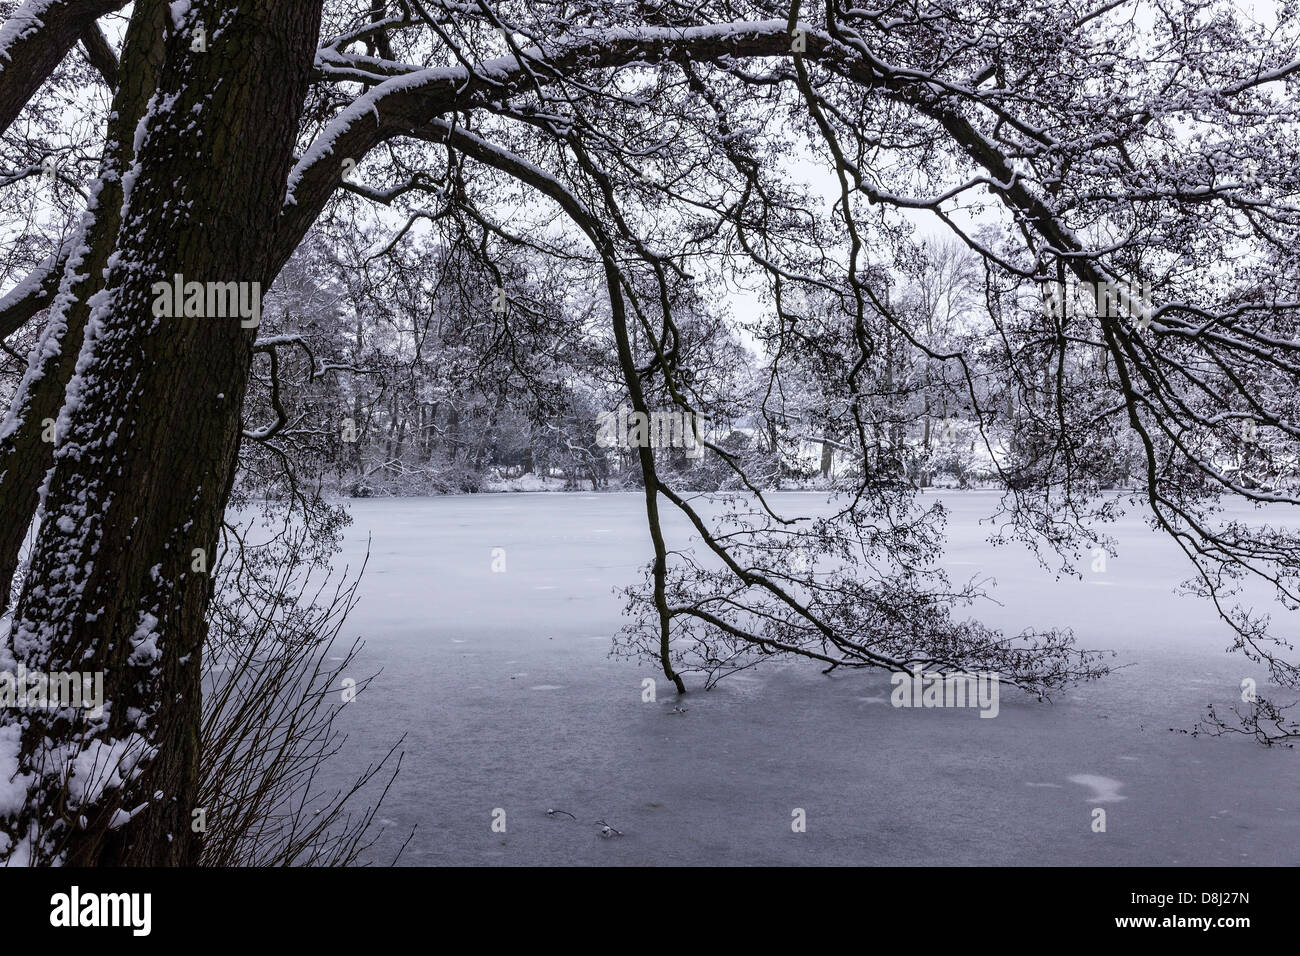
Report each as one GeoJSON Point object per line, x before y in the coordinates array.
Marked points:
{"type": "Point", "coordinates": [146, 448]}
{"type": "Point", "coordinates": [26, 451]}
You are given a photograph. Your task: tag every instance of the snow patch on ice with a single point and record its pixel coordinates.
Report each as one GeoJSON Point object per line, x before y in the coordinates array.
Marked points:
{"type": "Point", "coordinates": [1104, 789]}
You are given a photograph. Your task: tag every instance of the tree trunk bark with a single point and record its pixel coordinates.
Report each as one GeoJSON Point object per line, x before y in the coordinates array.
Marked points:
{"type": "Point", "coordinates": [25, 454]}
{"type": "Point", "coordinates": [147, 446]}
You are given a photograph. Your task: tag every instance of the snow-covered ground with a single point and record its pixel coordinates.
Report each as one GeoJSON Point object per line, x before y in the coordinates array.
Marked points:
{"type": "Point", "coordinates": [504, 687]}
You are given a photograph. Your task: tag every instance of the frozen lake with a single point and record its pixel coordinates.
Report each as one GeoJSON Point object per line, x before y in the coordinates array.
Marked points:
{"type": "Point", "coordinates": [503, 685]}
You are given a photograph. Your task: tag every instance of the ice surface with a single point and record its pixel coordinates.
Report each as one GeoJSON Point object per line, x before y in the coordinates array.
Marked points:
{"type": "Point", "coordinates": [1104, 789]}
{"type": "Point", "coordinates": [467, 652]}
